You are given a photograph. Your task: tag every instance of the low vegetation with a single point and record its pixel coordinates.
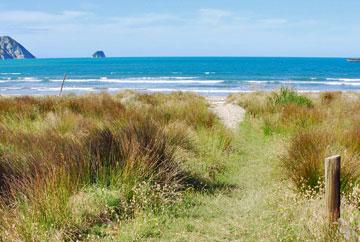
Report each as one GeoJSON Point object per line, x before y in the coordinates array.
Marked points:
{"type": "Point", "coordinates": [139, 167]}
{"type": "Point", "coordinates": [316, 126]}
{"type": "Point", "coordinates": [69, 164]}
{"type": "Point", "coordinates": [313, 126]}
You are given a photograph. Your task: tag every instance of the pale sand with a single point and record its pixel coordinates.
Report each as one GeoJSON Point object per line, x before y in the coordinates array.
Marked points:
{"type": "Point", "coordinates": [229, 113]}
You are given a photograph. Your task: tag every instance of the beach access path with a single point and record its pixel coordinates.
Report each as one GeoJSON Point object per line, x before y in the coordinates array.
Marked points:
{"type": "Point", "coordinates": [255, 204]}
{"type": "Point", "coordinates": [252, 205]}
{"type": "Point", "coordinates": [229, 113]}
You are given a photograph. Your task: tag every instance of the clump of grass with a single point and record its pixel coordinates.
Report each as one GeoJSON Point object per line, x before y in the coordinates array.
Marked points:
{"type": "Point", "coordinates": [296, 116]}
{"type": "Point", "coordinates": [282, 111]}
{"type": "Point", "coordinates": [329, 97]}
{"type": "Point", "coordinates": [351, 137]}
{"type": "Point", "coordinates": [288, 96]}
{"type": "Point", "coordinates": [304, 159]}
{"type": "Point", "coordinates": [289, 111]}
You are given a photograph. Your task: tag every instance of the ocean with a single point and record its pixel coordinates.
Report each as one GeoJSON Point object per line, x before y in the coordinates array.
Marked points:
{"type": "Point", "coordinates": [204, 75]}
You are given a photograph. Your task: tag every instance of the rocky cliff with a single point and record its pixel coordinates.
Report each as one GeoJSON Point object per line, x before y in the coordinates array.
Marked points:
{"type": "Point", "coordinates": [99, 54]}
{"type": "Point", "coordinates": [11, 49]}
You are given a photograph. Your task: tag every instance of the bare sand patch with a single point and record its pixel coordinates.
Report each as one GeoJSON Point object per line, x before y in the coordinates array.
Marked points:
{"type": "Point", "coordinates": [229, 113]}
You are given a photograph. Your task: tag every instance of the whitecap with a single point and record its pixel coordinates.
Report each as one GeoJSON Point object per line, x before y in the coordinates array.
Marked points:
{"type": "Point", "coordinates": [332, 83]}
{"type": "Point", "coordinates": [57, 89]}
{"type": "Point", "coordinates": [141, 81]}
{"type": "Point", "coordinates": [344, 79]}
{"type": "Point", "coordinates": [196, 90]}
{"type": "Point", "coordinates": [10, 73]}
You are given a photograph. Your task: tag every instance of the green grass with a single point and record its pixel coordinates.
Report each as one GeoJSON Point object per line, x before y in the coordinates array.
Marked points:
{"type": "Point", "coordinates": [255, 203]}
{"type": "Point", "coordinates": [288, 96]}
{"type": "Point", "coordinates": [138, 167]}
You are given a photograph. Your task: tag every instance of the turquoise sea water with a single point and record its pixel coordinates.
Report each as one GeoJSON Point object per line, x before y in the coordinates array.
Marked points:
{"type": "Point", "coordinates": [204, 75]}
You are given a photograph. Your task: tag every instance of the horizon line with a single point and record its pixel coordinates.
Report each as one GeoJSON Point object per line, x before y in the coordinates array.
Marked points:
{"type": "Point", "coordinates": [199, 56]}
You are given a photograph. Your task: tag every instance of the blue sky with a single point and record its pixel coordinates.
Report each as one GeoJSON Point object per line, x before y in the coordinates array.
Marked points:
{"type": "Point", "coordinates": [184, 27]}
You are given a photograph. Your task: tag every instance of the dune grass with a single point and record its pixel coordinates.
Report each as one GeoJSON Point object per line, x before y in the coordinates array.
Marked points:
{"type": "Point", "coordinates": [70, 164]}
{"type": "Point", "coordinates": [259, 199]}
{"type": "Point", "coordinates": [139, 167]}
{"type": "Point", "coordinates": [257, 202]}
{"type": "Point", "coordinates": [317, 126]}
{"type": "Point", "coordinates": [313, 126]}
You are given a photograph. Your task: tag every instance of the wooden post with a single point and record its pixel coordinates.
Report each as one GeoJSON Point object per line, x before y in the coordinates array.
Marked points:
{"type": "Point", "coordinates": [62, 84]}
{"type": "Point", "coordinates": [332, 188]}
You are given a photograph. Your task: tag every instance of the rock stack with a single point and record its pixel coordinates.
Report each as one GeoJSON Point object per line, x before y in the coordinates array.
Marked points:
{"type": "Point", "coordinates": [11, 49]}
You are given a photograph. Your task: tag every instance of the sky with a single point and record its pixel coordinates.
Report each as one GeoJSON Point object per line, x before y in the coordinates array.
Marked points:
{"type": "Point", "coordinates": [70, 28]}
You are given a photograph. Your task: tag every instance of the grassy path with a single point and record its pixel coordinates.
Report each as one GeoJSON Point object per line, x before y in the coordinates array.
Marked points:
{"type": "Point", "coordinates": [257, 205]}
{"type": "Point", "coordinates": [250, 212]}
{"type": "Point", "coordinates": [247, 212]}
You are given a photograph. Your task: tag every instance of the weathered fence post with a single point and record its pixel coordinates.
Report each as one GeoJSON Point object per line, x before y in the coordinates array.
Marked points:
{"type": "Point", "coordinates": [62, 84]}
{"type": "Point", "coordinates": [332, 188]}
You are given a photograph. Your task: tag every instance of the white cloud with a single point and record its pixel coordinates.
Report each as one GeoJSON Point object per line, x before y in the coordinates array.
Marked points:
{"type": "Point", "coordinates": [146, 20]}
{"type": "Point", "coordinates": [227, 19]}
{"type": "Point", "coordinates": [213, 16]}
{"type": "Point", "coordinates": [36, 21]}
{"type": "Point", "coordinates": [39, 17]}
{"type": "Point", "coordinates": [273, 21]}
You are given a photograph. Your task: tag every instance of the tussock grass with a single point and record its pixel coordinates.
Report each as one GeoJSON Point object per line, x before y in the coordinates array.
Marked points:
{"type": "Point", "coordinates": [70, 163]}
{"type": "Point", "coordinates": [316, 126]}
{"type": "Point", "coordinates": [286, 96]}
{"type": "Point", "coordinates": [329, 97]}
{"type": "Point", "coordinates": [309, 133]}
